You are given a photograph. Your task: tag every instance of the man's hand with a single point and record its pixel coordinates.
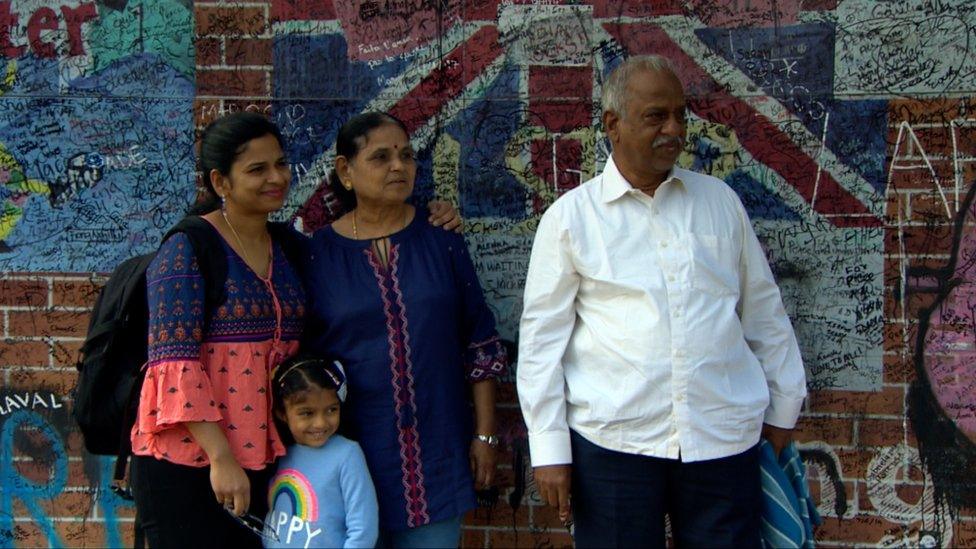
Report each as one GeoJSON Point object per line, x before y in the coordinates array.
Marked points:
{"type": "Point", "coordinates": [777, 436]}
{"type": "Point", "coordinates": [443, 214]}
{"type": "Point", "coordinates": [552, 481]}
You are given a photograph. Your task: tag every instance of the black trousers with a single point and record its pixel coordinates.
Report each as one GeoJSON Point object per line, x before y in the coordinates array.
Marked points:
{"type": "Point", "coordinates": [619, 500]}
{"type": "Point", "coordinates": [177, 508]}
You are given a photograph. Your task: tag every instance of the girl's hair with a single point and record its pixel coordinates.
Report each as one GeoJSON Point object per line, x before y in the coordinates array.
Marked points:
{"type": "Point", "coordinates": [221, 143]}
{"type": "Point", "coordinates": [350, 140]}
{"type": "Point", "coordinates": [301, 373]}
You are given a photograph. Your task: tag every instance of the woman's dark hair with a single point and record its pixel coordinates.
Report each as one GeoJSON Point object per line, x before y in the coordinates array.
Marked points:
{"type": "Point", "coordinates": [220, 144]}
{"type": "Point", "coordinates": [350, 140]}
{"type": "Point", "coordinates": [301, 373]}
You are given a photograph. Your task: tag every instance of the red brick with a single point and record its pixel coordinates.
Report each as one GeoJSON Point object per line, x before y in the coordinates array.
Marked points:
{"type": "Point", "coordinates": [501, 513]}
{"type": "Point", "coordinates": [260, 106]}
{"type": "Point", "coordinates": [209, 51]}
{"type": "Point", "coordinates": [65, 353]}
{"type": "Point", "coordinates": [898, 368]}
{"type": "Point", "coordinates": [517, 539]}
{"type": "Point", "coordinates": [66, 504]}
{"type": "Point", "coordinates": [930, 207]}
{"type": "Point", "coordinates": [964, 533]}
{"type": "Point", "coordinates": [206, 111]}
{"type": "Point", "coordinates": [858, 529]}
{"type": "Point", "coordinates": [82, 534]}
{"type": "Point", "coordinates": [48, 322]}
{"type": "Point", "coordinates": [29, 534]}
{"type": "Point", "coordinates": [248, 51]}
{"type": "Point", "coordinates": [899, 337]}
{"type": "Point", "coordinates": [75, 293]}
{"type": "Point", "coordinates": [59, 381]}
{"type": "Point", "coordinates": [471, 538]}
{"type": "Point", "coordinates": [23, 293]}
{"type": "Point", "coordinates": [854, 463]}
{"type": "Point", "coordinates": [933, 239]}
{"type": "Point", "coordinates": [912, 173]}
{"type": "Point", "coordinates": [888, 401]}
{"type": "Point", "coordinates": [863, 499]}
{"type": "Point", "coordinates": [235, 82]}
{"type": "Point", "coordinates": [883, 432]}
{"type": "Point", "coordinates": [24, 353]}
{"type": "Point", "coordinates": [77, 478]}
{"type": "Point", "coordinates": [927, 111]}
{"type": "Point", "coordinates": [832, 430]}
{"type": "Point", "coordinates": [229, 20]}
{"type": "Point", "coordinates": [935, 141]}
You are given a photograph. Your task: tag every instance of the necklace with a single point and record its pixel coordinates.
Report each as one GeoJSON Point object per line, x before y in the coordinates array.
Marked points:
{"type": "Point", "coordinates": [247, 258]}
{"type": "Point", "coordinates": [355, 228]}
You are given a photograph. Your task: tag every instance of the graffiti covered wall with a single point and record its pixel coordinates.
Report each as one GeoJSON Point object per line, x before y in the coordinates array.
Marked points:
{"type": "Point", "coordinates": [846, 127]}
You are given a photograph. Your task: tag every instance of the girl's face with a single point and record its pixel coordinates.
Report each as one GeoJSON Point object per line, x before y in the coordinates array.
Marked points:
{"type": "Point", "coordinates": [258, 178]}
{"type": "Point", "coordinates": [312, 415]}
{"type": "Point", "coordinates": [383, 170]}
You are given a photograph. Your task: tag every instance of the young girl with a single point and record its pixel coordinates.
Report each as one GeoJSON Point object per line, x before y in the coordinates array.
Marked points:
{"type": "Point", "coordinates": [322, 494]}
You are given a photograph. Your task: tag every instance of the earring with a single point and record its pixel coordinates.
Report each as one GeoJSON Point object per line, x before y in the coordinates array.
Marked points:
{"type": "Point", "coordinates": [223, 203]}
{"type": "Point", "coordinates": [348, 186]}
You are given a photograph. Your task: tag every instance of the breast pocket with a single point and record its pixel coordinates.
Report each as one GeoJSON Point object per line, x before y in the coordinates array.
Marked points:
{"type": "Point", "coordinates": [715, 264]}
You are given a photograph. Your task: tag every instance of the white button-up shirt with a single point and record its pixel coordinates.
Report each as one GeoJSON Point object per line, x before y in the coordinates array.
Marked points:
{"type": "Point", "coordinates": [653, 326]}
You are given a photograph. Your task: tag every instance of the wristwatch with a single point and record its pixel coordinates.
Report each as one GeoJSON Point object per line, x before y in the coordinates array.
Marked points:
{"type": "Point", "coordinates": [490, 440]}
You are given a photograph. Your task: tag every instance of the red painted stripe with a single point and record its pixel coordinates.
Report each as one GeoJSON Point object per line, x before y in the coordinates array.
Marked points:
{"type": "Point", "coordinates": [763, 139]}
{"type": "Point", "coordinates": [457, 69]}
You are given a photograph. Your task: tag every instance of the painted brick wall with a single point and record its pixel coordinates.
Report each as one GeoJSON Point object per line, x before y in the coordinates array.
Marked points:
{"type": "Point", "coordinates": [880, 460]}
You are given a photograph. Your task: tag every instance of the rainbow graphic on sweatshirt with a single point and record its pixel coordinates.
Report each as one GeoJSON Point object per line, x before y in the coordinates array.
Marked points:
{"type": "Point", "coordinates": [291, 484]}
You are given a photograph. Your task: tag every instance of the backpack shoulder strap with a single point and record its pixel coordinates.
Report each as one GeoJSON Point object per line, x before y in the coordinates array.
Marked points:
{"type": "Point", "coordinates": [293, 243]}
{"type": "Point", "coordinates": [208, 247]}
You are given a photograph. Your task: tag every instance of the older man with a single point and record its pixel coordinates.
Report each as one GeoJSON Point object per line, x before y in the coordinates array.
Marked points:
{"type": "Point", "coordinates": [654, 347]}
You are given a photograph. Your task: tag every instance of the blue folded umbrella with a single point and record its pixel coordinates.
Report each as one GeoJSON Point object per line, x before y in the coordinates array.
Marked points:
{"type": "Point", "coordinates": [788, 514]}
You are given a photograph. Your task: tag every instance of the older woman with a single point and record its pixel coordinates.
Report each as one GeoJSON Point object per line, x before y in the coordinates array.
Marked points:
{"type": "Point", "coordinates": [400, 304]}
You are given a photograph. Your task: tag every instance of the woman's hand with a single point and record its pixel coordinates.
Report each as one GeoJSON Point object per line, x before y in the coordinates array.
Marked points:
{"type": "Point", "coordinates": [230, 485]}
{"type": "Point", "coordinates": [443, 214]}
{"type": "Point", "coordinates": [483, 461]}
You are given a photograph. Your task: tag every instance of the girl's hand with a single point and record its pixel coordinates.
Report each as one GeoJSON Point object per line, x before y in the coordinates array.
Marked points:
{"type": "Point", "coordinates": [443, 214]}
{"type": "Point", "coordinates": [483, 460]}
{"type": "Point", "coordinates": [230, 485]}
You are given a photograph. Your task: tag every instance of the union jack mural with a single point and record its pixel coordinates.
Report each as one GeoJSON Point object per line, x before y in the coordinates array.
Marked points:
{"type": "Point", "coordinates": [502, 100]}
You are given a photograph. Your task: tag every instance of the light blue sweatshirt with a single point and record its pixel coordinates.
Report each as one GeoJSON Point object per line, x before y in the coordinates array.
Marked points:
{"type": "Point", "coordinates": [323, 497]}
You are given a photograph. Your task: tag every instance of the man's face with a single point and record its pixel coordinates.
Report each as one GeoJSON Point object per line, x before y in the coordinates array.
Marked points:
{"type": "Point", "coordinates": [649, 137]}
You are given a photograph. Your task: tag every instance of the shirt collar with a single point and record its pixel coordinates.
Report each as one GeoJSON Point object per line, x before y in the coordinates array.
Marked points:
{"type": "Point", "coordinates": [616, 185]}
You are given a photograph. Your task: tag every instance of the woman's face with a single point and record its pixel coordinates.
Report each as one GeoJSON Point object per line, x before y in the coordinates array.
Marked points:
{"type": "Point", "coordinates": [258, 178]}
{"type": "Point", "coordinates": [383, 171]}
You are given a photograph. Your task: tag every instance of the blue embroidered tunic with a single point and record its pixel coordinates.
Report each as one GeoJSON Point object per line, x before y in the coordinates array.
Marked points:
{"type": "Point", "coordinates": [409, 334]}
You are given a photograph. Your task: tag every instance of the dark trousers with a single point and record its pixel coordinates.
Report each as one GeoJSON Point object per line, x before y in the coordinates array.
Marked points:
{"type": "Point", "coordinates": [619, 500]}
{"type": "Point", "coordinates": [177, 508]}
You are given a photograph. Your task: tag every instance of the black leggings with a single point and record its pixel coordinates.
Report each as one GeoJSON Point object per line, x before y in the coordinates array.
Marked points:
{"type": "Point", "coordinates": [177, 508]}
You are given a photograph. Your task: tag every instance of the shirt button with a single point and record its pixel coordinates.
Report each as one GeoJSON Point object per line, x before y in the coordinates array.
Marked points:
{"type": "Point", "coordinates": [679, 353]}
{"type": "Point", "coordinates": [677, 314]}
{"type": "Point", "coordinates": [664, 244]}
{"type": "Point", "coordinates": [680, 397]}
{"type": "Point", "coordinates": [670, 278]}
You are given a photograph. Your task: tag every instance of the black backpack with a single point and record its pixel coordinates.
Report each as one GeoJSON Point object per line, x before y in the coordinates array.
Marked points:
{"type": "Point", "coordinates": [110, 367]}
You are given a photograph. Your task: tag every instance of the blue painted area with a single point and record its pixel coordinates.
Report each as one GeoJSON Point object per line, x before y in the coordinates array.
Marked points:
{"type": "Point", "coordinates": [128, 149]}
{"type": "Point", "coordinates": [793, 64]}
{"type": "Point", "coordinates": [856, 134]}
{"type": "Point", "coordinates": [16, 486]}
{"type": "Point", "coordinates": [110, 502]}
{"type": "Point", "coordinates": [484, 129]}
{"type": "Point", "coordinates": [757, 200]}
